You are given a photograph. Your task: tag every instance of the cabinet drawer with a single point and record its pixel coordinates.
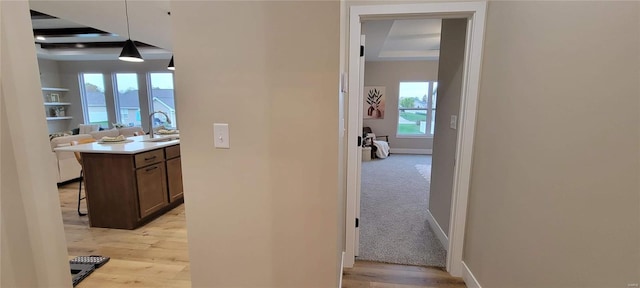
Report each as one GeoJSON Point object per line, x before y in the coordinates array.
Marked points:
{"type": "Point", "coordinates": [148, 158]}
{"type": "Point", "coordinates": [172, 151]}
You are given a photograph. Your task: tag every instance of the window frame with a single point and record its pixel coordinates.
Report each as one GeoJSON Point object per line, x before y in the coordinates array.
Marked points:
{"type": "Point", "coordinates": [150, 94]}
{"type": "Point", "coordinates": [83, 97]}
{"type": "Point", "coordinates": [431, 92]}
{"type": "Point", "coordinates": [111, 94]}
{"type": "Point", "coordinates": [116, 95]}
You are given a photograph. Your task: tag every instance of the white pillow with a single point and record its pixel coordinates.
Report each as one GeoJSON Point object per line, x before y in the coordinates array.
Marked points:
{"type": "Point", "coordinates": [109, 133]}
{"type": "Point", "coordinates": [129, 131]}
{"type": "Point", "coordinates": [88, 128]}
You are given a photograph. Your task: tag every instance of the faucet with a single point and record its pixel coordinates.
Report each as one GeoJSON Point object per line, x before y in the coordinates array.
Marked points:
{"type": "Point", "coordinates": [151, 121]}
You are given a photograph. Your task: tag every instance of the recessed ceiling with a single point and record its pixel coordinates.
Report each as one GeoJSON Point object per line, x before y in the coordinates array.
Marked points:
{"type": "Point", "coordinates": [75, 38]}
{"type": "Point", "coordinates": [402, 40]}
{"type": "Point", "coordinates": [59, 39]}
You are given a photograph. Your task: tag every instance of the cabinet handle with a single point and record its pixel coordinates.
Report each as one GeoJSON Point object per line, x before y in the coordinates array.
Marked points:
{"type": "Point", "coordinates": [151, 168]}
{"type": "Point", "coordinates": [150, 158]}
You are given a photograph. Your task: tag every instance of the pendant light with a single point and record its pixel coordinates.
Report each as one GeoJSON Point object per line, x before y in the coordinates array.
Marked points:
{"type": "Point", "coordinates": [171, 66]}
{"type": "Point", "coordinates": [129, 51]}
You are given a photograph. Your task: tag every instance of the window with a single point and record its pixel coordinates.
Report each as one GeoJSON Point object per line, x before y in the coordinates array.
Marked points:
{"type": "Point", "coordinates": [125, 109]}
{"type": "Point", "coordinates": [127, 99]}
{"type": "Point", "coordinates": [93, 101]}
{"type": "Point", "coordinates": [162, 99]}
{"type": "Point", "coordinates": [417, 109]}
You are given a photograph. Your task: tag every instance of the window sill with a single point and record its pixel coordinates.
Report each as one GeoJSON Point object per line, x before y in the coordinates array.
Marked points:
{"type": "Point", "coordinates": [414, 137]}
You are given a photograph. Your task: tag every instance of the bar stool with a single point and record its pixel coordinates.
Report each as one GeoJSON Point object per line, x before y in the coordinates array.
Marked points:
{"type": "Point", "coordinates": [79, 158]}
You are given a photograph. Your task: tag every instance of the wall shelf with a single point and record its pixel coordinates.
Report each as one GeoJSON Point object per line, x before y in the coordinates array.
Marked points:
{"type": "Point", "coordinates": [55, 107]}
{"type": "Point", "coordinates": [54, 89]}
{"type": "Point", "coordinates": [59, 118]}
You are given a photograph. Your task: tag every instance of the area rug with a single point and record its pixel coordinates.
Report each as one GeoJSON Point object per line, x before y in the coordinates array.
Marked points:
{"type": "Point", "coordinates": [425, 171]}
{"type": "Point", "coordinates": [393, 212]}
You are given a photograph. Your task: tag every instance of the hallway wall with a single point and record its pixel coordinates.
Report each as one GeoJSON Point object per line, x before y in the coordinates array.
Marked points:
{"type": "Point", "coordinates": [33, 250]}
{"type": "Point", "coordinates": [451, 68]}
{"type": "Point", "coordinates": [268, 204]}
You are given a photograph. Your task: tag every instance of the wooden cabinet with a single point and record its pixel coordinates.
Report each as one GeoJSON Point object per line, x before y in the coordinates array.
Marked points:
{"type": "Point", "coordinates": [174, 173]}
{"type": "Point", "coordinates": [127, 190]}
{"type": "Point", "coordinates": [152, 189]}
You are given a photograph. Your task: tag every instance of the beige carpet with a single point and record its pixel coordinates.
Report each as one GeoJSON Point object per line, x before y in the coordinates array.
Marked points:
{"type": "Point", "coordinates": [393, 212]}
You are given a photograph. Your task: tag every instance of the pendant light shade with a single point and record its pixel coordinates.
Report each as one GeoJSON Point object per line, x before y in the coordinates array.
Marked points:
{"type": "Point", "coordinates": [130, 53]}
{"type": "Point", "coordinates": [171, 66]}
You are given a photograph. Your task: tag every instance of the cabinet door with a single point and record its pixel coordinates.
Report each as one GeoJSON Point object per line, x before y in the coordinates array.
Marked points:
{"type": "Point", "coordinates": [174, 175]}
{"type": "Point", "coordinates": [152, 188]}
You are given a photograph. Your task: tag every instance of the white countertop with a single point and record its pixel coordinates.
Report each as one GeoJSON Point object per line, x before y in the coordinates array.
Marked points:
{"type": "Point", "coordinates": [134, 147]}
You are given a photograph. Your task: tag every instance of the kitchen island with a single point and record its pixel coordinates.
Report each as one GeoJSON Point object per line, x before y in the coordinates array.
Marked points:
{"type": "Point", "coordinates": [131, 183]}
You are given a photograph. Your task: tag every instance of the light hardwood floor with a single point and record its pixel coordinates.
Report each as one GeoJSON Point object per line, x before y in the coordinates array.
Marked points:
{"type": "Point", "coordinates": [381, 275]}
{"type": "Point", "coordinates": [154, 255]}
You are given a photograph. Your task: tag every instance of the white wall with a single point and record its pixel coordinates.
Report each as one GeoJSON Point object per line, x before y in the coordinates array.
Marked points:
{"type": "Point", "coordinates": [554, 194]}
{"type": "Point", "coordinates": [263, 213]}
{"type": "Point", "coordinates": [33, 244]}
{"type": "Point", "coordinates": [390, 74]}
{"type": "Point", "coordinates": [554, 198]}
{"type": "Point", "coordinates": [452, 46]}
{"type": "Point", "coordinates": [50, 77]}
{"type": "Point", "coordinates": [49, 73]}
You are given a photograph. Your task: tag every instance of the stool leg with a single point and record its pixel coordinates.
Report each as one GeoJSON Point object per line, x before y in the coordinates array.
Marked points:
{"type": "Point", "coordinates": [80, 194]}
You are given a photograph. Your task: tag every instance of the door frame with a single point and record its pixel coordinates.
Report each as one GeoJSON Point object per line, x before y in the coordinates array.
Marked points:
{"type": "Point", "coordinates": [475, 12]}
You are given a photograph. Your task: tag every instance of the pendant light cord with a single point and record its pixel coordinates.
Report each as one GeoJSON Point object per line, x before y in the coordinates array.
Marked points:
{"type": "Point", "coordinates": [126, 11]}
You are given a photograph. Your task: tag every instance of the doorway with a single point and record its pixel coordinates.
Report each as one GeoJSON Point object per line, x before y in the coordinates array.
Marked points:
{"type": "Point", "coordinates": [401, 63]}
{"type": "Point", "coordinates": [475, 14]}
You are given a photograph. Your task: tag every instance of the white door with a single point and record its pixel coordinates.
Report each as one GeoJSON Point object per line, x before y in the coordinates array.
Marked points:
{"type": "Point", "coordinates": [354, 151]}
{"type": "Point", "coordinates": [356, 248]}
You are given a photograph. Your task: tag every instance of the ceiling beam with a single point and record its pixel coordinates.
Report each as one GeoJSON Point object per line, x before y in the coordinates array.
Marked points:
{"type": "Point", "coordinates": [39, 15]}
{"type": "Point", "coordinates": [86, 45]}
{"type": "Point", "coordinates": [71, 32]}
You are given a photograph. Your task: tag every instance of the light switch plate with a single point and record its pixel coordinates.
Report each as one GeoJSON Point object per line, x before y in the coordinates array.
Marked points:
{"type": "Point", "coordinates": [221, 135]}
{"type": "Point", "coordinates": [453, 124]}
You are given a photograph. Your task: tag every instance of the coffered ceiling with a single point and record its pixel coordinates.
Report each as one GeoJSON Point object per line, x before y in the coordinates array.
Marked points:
{"type": "Point", "coordinates": [96, 30]}
{"type": "Point", "coordinates": [402, 40]}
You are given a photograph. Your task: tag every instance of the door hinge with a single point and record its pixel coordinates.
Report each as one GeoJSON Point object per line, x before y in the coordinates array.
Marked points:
{"type": "Point", "coordinates": [359, 141]}
{"type": "Point", "coordinates": [357, 222]}
{"type": "Point", "coordinates": [361, 50]}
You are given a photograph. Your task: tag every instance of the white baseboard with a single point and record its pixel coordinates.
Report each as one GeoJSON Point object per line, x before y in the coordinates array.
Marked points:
{"type": "Point", "coordinates": [410, 151]}
{"type": "Point", "coordinates": [341, 271]}
{"type": "Point", "coordinates": [468, 277]}
{"type": "Point", "coordinates": [438, 230]}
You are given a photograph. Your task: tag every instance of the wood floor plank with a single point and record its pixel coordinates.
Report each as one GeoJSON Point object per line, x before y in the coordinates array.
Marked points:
{"type": "Point", "coordinates": [155, 255]}
{"type": "Point", "coordinates": [351, 283]}
{"type": "Point", "coordinates": [381, 275]}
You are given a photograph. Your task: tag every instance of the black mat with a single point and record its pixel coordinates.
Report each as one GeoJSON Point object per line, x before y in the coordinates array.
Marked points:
{"type": "Point", "coordinates": [82, 266]}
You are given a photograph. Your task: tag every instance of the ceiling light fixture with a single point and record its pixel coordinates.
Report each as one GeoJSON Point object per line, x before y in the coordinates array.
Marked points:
{"type": "Point", "coordinates": [41, 38]}
{"type": "Point", "coordinates": [129, 51]}
{"type": "Point", "coordinates": [171, 66]}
